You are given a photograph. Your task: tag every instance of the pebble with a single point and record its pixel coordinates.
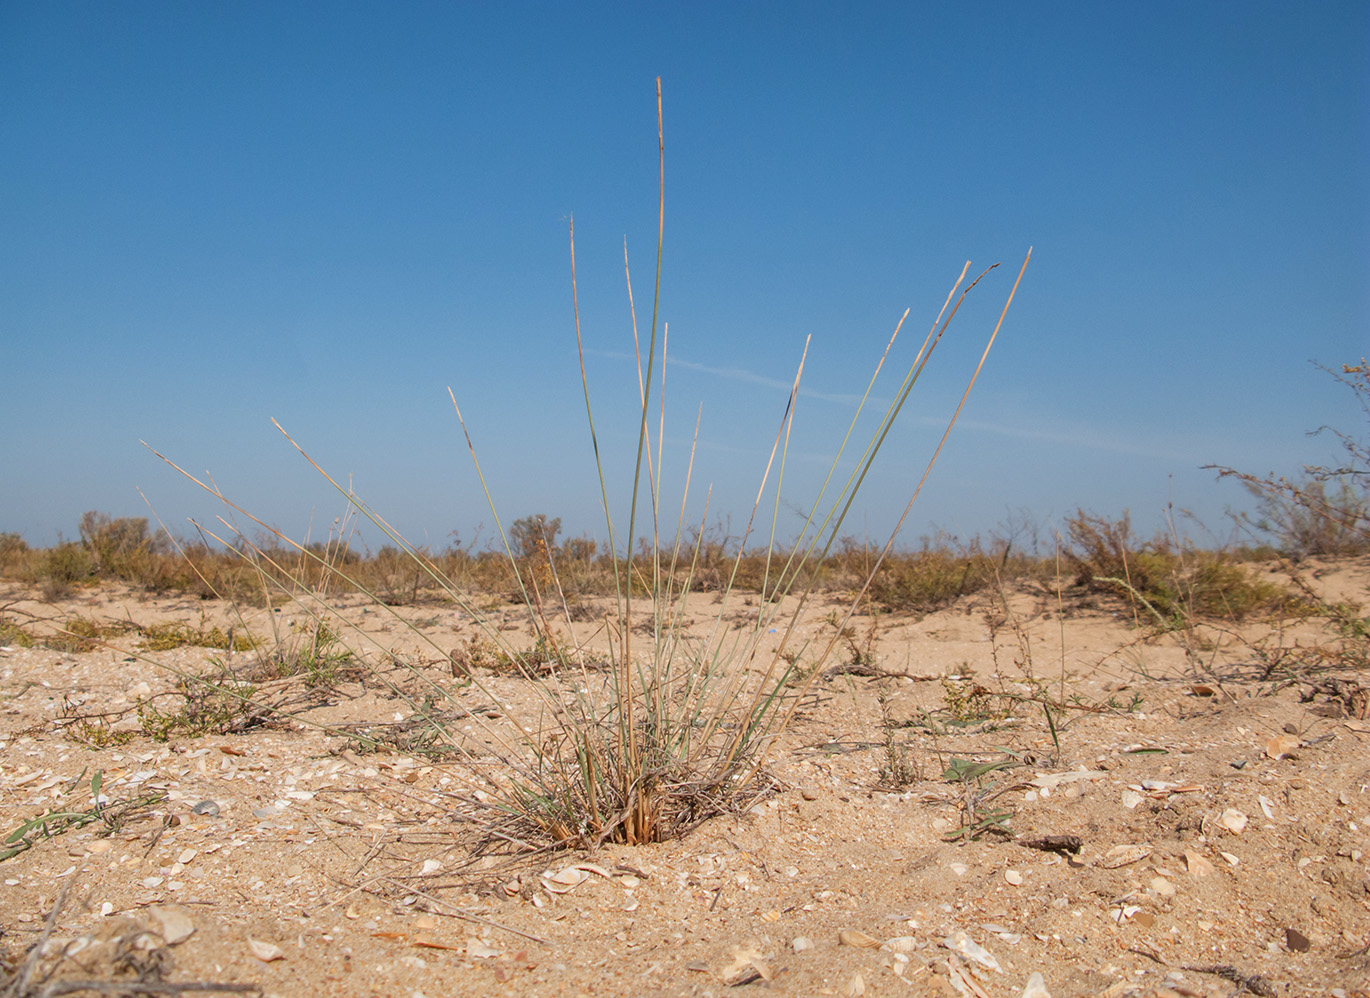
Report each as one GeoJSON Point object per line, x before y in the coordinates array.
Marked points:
{"type": "Point", "coordinates": [173, 925]}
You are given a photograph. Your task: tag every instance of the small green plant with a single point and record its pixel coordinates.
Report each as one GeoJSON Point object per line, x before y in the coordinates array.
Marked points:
{"type": "Point", "coordinates": [175, 634]}
{"type": "Point", "coordinates": [77, 811]}
{"type": "Point", "coordinates": [969, 702]}
{"type": "Point", "coordinates": [900, 767]}
{"type": "Point", "coordinates": [81, 634]}
{"type": "Point", "coordinates": [978, 816]}
{"type": "Point", "coordinates": [316, 652]}
{"type": "Point", "coordinates": [13, 633]}
{"type": "Point", "coordinates": [204, 706]}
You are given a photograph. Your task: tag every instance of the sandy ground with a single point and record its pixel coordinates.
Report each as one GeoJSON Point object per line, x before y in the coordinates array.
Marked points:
{"type": "Point", "coordinates": [1221, 818]}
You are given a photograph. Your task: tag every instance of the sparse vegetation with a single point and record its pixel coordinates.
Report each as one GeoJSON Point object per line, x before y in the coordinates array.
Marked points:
{"type": "Point", "coordinates": [174, 634]}
{"type": "Point", "coordinates": [671, 730]}
{"type": "Point", "coordinates": [81, 807]}
{"type": "Point", "coordinates": [1164, 582]}
{"type": "Point", "coordinates": [1328, 511]}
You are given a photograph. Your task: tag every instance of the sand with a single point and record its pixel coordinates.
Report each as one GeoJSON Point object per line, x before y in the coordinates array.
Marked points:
{"type": "Point", "coordinates": [1220, 810]}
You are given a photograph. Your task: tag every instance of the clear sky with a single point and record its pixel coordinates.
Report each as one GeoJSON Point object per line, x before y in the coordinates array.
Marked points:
{"type": "Point", "coordinates": [329, 213]}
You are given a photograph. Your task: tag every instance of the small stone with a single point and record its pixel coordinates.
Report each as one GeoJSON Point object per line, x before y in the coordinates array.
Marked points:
{"type": "Point", "coordinates": [173, 925]}
{"type": "Point", "coordinates": [1296, 940]}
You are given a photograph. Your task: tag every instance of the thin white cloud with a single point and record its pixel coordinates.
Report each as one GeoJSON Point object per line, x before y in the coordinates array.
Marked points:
{"type": "Point", "coordinates": [1073, 436]}
{"type": "Point", "coordinates": [1077, 436]}
{"type": "Point", "coordinates": [739, 374]}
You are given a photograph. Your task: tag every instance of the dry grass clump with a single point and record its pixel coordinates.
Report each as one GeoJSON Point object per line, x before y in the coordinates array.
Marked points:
{"type": "Point", "coordinates": [667, 728]}
{"type": "Point", "coordinates": [1166, 582]}
{"type": "Point", "coordinates": [1328, 511]}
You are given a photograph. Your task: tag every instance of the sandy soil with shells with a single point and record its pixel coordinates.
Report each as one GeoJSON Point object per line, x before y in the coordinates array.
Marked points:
{"type": "Point", "coordinates": [1221, 823]}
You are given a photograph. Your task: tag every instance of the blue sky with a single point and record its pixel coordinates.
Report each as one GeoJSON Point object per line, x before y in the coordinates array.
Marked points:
{"type": "Point", "coordinates": [329, 213]}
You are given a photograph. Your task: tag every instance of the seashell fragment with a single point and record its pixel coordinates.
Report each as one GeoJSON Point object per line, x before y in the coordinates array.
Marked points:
{"type": "Point", "coordinates": [855, 937]}
{"type": "Point", "coordinates": [1199, 867]}
{"type": "Point", "coordinates": [1281, 746]}
{"type": "Point", "coordinates": [566, 880]}
{"type": "Point", "coordinates": [746, 962]}
{"type": "Point", "coordinates": [1013, 877]}
{"type": "Point", "coordinates": [1036, 987]}
{"type": "Point", "coordinates": [901, 944]}
{"type": "Point", "coordinates": [1163, 887]}
{"type": "Point", "coordinates": [266, 952]}
{"type": "Point", "coordinates": [1123, 855]}
{"type": "Point", "coordinates": [800, 943]}
{"type": "Point", "coordinates": [1233, 820]}
{"type": "Point", "coordinates": [960, 942]}
{"type": "Point", "coordinates": [598, 871]}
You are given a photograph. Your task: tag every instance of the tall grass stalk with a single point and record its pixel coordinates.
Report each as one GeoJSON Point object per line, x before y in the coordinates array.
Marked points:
{"type": "Point", "coordinates": [643, 742]}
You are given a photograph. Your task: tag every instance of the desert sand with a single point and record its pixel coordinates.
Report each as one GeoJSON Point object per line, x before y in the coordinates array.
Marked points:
{"type": "Point", "coordinates": [1198, 824]}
